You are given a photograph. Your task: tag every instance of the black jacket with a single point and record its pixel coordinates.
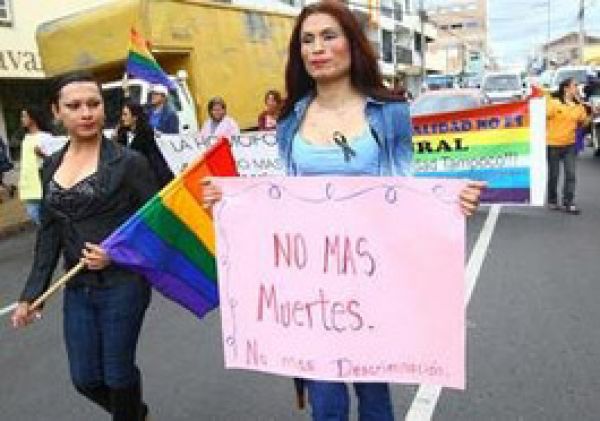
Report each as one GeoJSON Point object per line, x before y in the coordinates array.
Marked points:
{"type": "Point", "coordinates": [125, 182]}
{"type": "Point", "coordinates": [144, 142]}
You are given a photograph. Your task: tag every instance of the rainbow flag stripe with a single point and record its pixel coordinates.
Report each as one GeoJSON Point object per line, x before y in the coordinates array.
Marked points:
{"type": "Point", "coordinates": [492, 143]}
{"type": "Point", "coordinates": [171, 240]}
{"type": "Point", "coordinates": [141, 63]}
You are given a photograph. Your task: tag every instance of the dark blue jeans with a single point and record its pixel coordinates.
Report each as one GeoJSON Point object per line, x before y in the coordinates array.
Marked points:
{"type": "Point", "coordinates": [568, 155]}
{"type": "Point", "coordinates": [330, 401]}
{"type": "Point", "coordinates": [101, 328]}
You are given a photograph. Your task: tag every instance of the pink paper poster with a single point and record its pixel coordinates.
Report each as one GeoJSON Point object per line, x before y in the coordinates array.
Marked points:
{"type": "Point", "coordinates": [343, 278]}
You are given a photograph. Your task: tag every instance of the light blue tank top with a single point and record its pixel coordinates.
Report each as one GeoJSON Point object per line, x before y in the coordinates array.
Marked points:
{"type": "Point", "coordinates": [310, 159]}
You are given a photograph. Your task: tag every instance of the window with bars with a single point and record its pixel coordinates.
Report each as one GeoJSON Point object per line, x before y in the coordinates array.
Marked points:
{"type": "Point", "coordinates": [5, 12]}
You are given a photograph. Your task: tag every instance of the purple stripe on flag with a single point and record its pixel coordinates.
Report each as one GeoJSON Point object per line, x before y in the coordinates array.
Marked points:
{"type": "Point", "coordinates": [138, 248]}
{"type": "Point", "coordinates": [178, 291]}
{"type": "Point", "coordinates": [148, 74]}
{"type": "Point", "coordinates": [491, 195]}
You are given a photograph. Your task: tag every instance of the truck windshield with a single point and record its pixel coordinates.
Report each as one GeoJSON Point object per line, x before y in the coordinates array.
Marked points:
{"type": "Point", "coordinates": [439, 82]}
{"type": "Point", "coordinates": [173, 100]}
{"type": "Point", "coordinates": [113, 101]}
{"type": "Point", "coordinates": [580, 76]}
{"type": "Point", "coordinates": [502, 83]}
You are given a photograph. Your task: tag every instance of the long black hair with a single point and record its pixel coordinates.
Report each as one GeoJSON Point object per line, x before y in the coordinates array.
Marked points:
{"type": "Point", "coordinates": [63, 80]}
{"type": "Point", "coordinates": [562, 87]}
{"type": "Point", "coordinates": [142, 125]}
{"type": "Point", "coordinates": [39, 116]}
{"type": "Point", "coordinates": [364, 69]}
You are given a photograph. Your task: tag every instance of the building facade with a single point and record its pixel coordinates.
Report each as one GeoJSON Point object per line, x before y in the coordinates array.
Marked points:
{"type": "Point", "coordinates": [564, 50]}
{"type": "Point", "coordinates": [22, 79]}
{"type": "Point", "coordinates": [394, 29]}
{"type": "Point", "coordinates": [461, 45]}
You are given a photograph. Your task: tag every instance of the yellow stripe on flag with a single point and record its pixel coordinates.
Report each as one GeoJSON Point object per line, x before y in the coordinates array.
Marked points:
{"type": "Point", "coordinates": [180, 201]}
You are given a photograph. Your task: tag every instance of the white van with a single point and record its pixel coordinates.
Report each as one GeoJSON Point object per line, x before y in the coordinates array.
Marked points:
{"type": "Point", "coordinates": [579, 73]}
{"type": "Point", "coordinates": [139, 91]}
{"type": "Point", "coordinates": [503, 87]}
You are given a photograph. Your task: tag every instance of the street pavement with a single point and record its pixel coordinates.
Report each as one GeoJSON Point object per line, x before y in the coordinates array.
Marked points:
{"type": "Point", "coordinates": [13, 217]}
{"type": "Point", "coordinates": [533, 341]}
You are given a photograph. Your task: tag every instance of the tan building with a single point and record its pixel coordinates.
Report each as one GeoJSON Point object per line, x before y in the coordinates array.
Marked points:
{"type": "Point", "coordinates": [564, 50]}
{"type": "Point", "coordinates": [394, 29]}
{"type": "Point", "coordinates": [461, 43]}
{"type": "Point", "coordinates": [22, 79]}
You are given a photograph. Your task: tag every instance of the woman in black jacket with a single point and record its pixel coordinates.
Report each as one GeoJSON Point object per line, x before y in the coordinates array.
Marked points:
{"type": "Point", "coordinates": [135, 131]}
{"type": "Point", "coordinates": [90, 187]}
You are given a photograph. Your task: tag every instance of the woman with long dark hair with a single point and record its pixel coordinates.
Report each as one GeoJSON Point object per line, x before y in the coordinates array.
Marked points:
{"type": "Point", "coordinates": [339, 119]}
{"type": "Point", "coordinates": [267, 119]}
{"type": "Point", "coordinates": [564, 115]}
{"type": "Point", "coordinates": [90, 187]}
{"type": "Point", "coordinates": [34, 149]}
{"type": "Point", "coordinates": [135, 132]}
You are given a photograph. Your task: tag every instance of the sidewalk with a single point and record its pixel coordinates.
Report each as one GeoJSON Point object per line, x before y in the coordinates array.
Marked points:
{"type": "Point", "coordinates": [13, 218]}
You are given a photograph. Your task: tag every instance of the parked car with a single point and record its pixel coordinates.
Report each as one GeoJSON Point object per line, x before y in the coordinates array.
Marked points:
{"type": "Point", "coordinates": [444, 100]}
{"type": "Point", "coordinates": [434, 82]}
{"type": "Point", "coordinates": [503, 87]}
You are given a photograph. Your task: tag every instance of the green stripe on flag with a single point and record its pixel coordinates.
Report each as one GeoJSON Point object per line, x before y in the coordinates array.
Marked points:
{"type": "Point", "coordinates": [142, 60]}
{"type": "Point", "coordinates": [175, 233]}
{"type": "Point", "coordinates": [519, 149]}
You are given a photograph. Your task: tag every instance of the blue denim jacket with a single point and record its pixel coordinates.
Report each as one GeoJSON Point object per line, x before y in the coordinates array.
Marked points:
{"type": "Point", "coordinates": [389, 122]}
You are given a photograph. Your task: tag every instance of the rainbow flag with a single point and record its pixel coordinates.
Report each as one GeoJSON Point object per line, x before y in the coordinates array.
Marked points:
{"type": "Point", "coordinates": [171, 240]}
{"type": "Point", "coordinates": [503, 145]}
{"type": "Point", "coordinates": [141, 63]}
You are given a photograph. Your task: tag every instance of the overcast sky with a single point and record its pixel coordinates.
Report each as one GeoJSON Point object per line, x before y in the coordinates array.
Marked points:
{"type": "Point", "coordinates": [516, 26]}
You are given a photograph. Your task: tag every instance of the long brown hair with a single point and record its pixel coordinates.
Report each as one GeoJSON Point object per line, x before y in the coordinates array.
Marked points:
{"type": "Point", "coordinates": [364, 69]}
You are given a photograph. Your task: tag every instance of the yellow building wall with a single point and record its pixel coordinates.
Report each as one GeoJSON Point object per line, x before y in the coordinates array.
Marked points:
{"type": "Point", "coordinates": [233, 52]}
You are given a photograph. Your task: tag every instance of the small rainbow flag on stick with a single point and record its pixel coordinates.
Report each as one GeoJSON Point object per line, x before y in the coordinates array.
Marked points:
{"type": "Point", "coordinates": [141, 63]}
{"type": "Point", "coordinates": [171, 240]}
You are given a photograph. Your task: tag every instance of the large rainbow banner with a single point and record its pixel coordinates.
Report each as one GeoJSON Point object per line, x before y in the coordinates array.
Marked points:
{"type": "Point", "coordinates": [503, 145]}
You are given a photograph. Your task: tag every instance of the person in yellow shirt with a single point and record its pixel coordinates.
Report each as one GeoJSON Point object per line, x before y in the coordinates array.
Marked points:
{"type": "Point", "coordinates": [34, 148]}
{"type": "Point", "coordinates": [564, 114]}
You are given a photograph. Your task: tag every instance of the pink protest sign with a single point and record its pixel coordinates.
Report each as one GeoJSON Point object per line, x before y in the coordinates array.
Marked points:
{"type": "Point", "coordinates": [343, 278]}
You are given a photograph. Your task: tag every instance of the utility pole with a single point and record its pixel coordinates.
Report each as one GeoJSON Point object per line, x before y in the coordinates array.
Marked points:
{"type": "Point", "coordinates": [422, 17]}
{"type": "Point", "coordinates": [548, 2]}
{"type": "Point", "coordinates": [581, 30]}
{"type": "Point", "coordinates": [548, 34]}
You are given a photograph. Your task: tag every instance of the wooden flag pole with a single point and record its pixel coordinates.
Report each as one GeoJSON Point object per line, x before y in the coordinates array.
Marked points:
{"type": "Point", "coordinates": [56, 285]}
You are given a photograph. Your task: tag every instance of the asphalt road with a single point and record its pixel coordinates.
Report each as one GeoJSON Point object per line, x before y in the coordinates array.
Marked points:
{"type": "Point", "coordinates": [533, 350]}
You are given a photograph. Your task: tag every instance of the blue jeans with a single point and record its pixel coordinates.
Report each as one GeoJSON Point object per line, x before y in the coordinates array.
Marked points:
{"type": "Point", "coordinates": [330, 401]}
{"type": "Point", "coordinates": [32, 207]}
{"type": "Point", "coordinates": [568, 155]}
{"type": "Point", "coordinates": [101, 328]}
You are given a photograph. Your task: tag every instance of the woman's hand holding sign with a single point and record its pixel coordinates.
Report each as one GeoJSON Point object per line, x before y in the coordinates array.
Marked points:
{"type": "Point", "coordinates": [469, 197]}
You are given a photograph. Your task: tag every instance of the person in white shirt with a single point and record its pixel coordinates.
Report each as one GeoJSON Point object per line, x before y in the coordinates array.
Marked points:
{"type": "Point", "coordinates": [35, 147]}
{"type": "Point", "coordinates": [218, 122]}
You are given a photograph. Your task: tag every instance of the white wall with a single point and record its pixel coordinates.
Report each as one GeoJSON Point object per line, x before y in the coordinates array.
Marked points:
{"type": "Point", "coordinates": [19, 56]}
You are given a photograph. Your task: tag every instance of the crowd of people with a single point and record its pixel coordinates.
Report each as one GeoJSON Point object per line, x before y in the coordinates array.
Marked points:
{"type": "Point", "coordinates": [333, 90]}
{"type": "Point", "coordinates": [136, 129]}
{"type": "Point", "coordinates": [93, 184]}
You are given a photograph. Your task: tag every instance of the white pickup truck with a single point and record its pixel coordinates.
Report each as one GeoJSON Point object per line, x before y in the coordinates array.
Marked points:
{"type": "Point", "coordinates": [503, 87]}
{"type": "Point", "coordinates": [138, 90]}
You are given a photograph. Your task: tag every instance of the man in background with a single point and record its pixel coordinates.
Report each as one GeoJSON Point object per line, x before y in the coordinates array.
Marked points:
{"type": "Point", "coordinates": [162, 116]}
